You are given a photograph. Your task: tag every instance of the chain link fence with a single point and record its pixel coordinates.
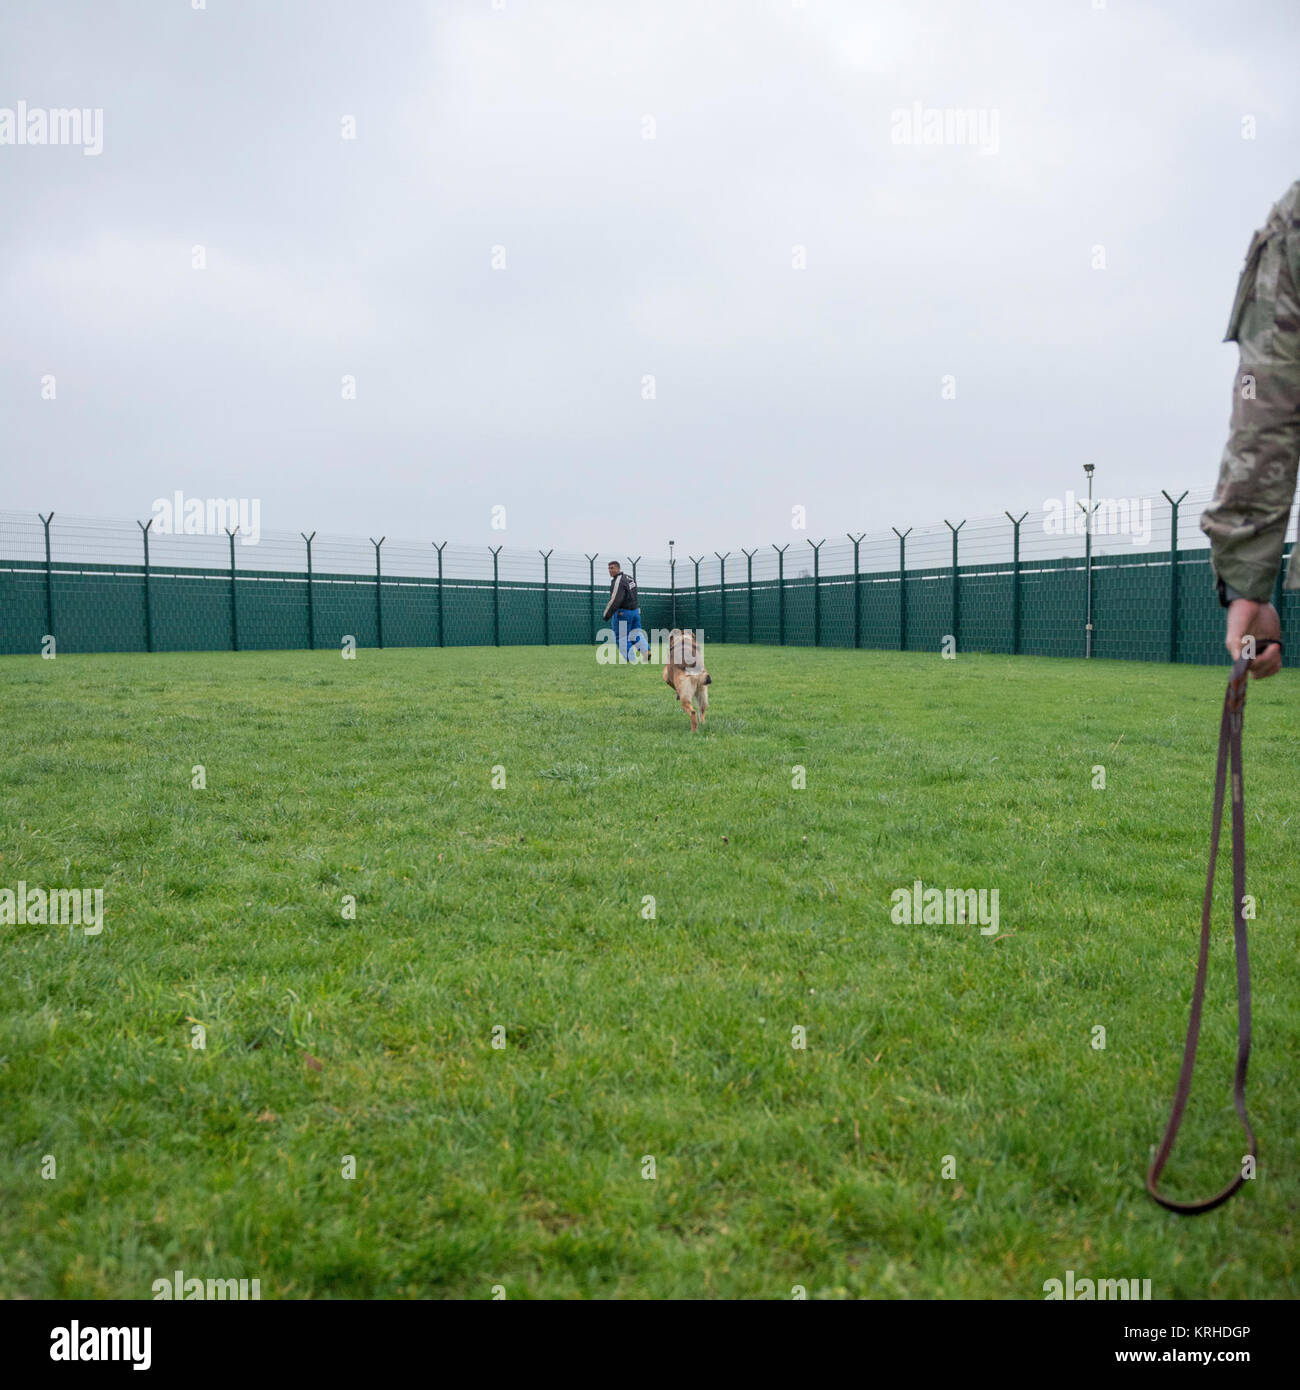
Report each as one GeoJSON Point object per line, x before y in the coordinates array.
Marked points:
{"type": "Point", "coordinates": [1027, 583]}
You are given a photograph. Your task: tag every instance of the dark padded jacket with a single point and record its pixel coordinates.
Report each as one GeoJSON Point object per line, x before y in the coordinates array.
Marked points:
{"type": "Point", "coordinates": [622, 594]}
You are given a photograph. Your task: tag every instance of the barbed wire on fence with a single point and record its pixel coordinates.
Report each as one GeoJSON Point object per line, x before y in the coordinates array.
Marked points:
{"type": "Point", "coordinates": [1128, 526]}
{"type": "Point", "coordinates": [1015, 583]}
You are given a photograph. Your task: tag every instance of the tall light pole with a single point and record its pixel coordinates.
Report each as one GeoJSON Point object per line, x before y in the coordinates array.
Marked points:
{"type": "Point", "coordinates": [672, 581]}
{"type": "Point", "coordinates": [1087, 550]}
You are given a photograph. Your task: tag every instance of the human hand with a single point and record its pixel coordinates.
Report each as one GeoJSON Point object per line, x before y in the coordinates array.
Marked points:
{"type": "Point", "coordinates": [1260, 621]}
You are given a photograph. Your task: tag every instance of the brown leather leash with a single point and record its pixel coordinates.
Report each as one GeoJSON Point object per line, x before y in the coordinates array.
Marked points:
{"type": "Point", "coordinates": [1234, 703]}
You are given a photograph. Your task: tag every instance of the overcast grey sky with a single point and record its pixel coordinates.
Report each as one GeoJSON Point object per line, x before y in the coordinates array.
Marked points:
{"type": "Point", "coordinates": [524, 127]}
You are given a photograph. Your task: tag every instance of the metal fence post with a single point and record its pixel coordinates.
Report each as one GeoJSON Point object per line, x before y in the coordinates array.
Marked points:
{"type": "Point", "coordinates": [857, 590]}
{"type": "Point", "coordinates": [722, 588]}
{"type": "Point", "coordinates": [956, 610]}
{"type": "Point", "coordinates": [1173, 574]}
{"type": "Point", "coordinates": [1089, 512]}
{"type": "Point", "coordinates": [591, 595]}
{"type": "Point", "coordinates": [902, 585]}
{"type": "Point", "coordinates": [634, 564]}
{"type": "Point", "coordinates": [672, 591]}
{"type": "Point", "coordinates": [234, 602]}
{"type": "Point", "coordinates": [546, 595]}
{"type": "Point", "coordinates": [1278, 593]}
{"type": "Point", "coordinates": [439, 549]}
{"type": "Point", "coordinates": [379, 603]}
{"type": "Point", "coordinates": [49, 578]}
{"type": "Point", "coordinates": [749, 589]}
{"type": "Point", "coordinates": [1015, 580]}
{"type": "Point", "coordinates": [148, 615]}
{"type": "Point", "coordinates": [817, 591]}
{"type": "Point", "coordinates": [697, 624]}
{"type": "Point", "coordinates": [311, 601]}
{"type": "Point", "coordinates": [496, 597]}
{"type": "Point", "coordinates": [780, 590]}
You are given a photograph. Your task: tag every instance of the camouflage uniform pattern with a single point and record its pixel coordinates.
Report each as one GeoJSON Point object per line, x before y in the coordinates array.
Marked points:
{"type": "Point", "coordinates": [1247, 519]}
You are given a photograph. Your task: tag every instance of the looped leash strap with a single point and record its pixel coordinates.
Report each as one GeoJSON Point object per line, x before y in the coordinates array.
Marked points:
{"type": "Point", "coordinates": [1234, 704]}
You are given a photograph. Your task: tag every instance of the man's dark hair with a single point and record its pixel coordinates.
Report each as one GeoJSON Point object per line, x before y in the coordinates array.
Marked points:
{"type": "Point", "coordinates": [614, 565]}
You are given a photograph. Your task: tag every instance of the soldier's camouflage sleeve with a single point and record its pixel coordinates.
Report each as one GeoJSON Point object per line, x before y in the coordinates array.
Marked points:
{"type": "Point", "coordinates": [1247, 519]}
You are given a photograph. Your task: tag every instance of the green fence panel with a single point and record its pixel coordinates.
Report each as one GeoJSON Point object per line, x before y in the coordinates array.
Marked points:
{"type": "Point", "coordinates": [929, 608]}
{"type": "Point", "coordinates": [1130, 601]}
{"type": "Point", "coordinates": [345, 607]}
{"type": "Point", "coordinates": [985, 609]}
{"type": "Point", "coordinates": [411, 613]}
{"type": "Point", "coordinates": [798, 609]}
{"type": "Point", "coordinates": [1200, 619]}
{"type": "Point", "coordinates": [191, 612]}
{"type": "Point", "coordinates": [737, 606]}
{"type": "Point", "coordinates": [766, 611]}
{"type": "Point", "coordinates": [1288, 609]}
{"type": "Point", "coordinates": [521, 615]}
{"type": "Point", "coordinates": [656, 611]}
{"type": "Point", "coordinates": [569, 621]}
{"type": "Point", "coordinates": [98, 611]}
{"type": "Point", "coordinates": [272, 613]}
{"type": "Point", "coordinates": [22, 610]}
{"type": "Point", "coordinates": [880, 594]}
{"type": "Point", "coordinates": [469, 613]}
{"type": "Point", "coordinates": [709, 613]}
{"type": "Point", "coordinates": [100, 607]}
{"type": "Point", "coordinates": [837, 610]}
{"type": "Point", "coordinates": [1053, 599]}
{"type": "Point", "coordinates": [688, 612]}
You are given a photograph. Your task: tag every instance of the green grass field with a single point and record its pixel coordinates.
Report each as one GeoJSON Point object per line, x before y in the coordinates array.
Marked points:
{"type": "Point", "coordinates": [521, 908]}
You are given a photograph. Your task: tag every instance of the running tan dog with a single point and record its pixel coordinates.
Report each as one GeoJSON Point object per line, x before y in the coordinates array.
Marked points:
{"type": "Point", "coordinates": [685, 672]}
